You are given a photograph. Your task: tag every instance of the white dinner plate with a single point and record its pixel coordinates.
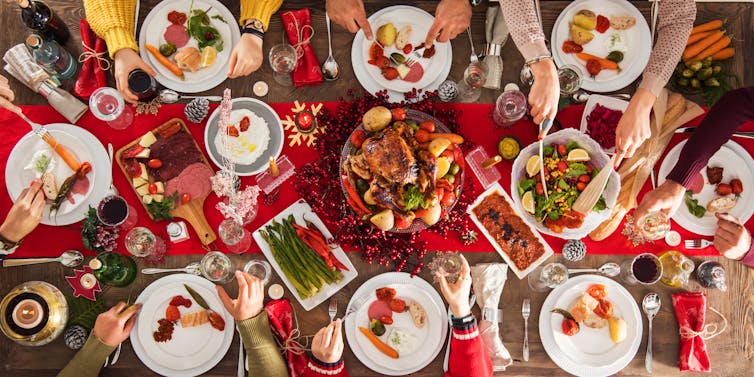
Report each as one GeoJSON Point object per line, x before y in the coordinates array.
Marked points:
{"type": "Point", "coordinates": [82, 145]}
{"type": "Point", "coordinates": [191, 351]}
{"type": "Point", "coordinates": [590, 352]}
{"type": "Point", "coordinates": [300, 209]}
{"type": "Point", "coordinates": [736, 163]}
{"type": "Point", "coordinates": [637, 38]}
{"type": "Point", "coordinates": [611, 103]}
{"type": "Point", "coordinates": [274, 147]}
{"type": "Point", "coordinates": [437, 319]}
{"type": "Point", "coordinates": [360, 65]}
{"type": "Point", "coordinates": [152, 31]}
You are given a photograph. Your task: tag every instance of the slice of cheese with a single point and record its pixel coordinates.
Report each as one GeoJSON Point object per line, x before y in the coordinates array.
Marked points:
{"type": "Point", "coordinates": [158, 198]}
{"type": "Point", "coordinates": [147, 140]}
{"type": "Point", "coordinates": [138, 182]}
{"type": "Point", "coordinates": [143, 190]}
{"type": "Point", "coordinates": [144, 153]}
{"type": "Point", "coordinates": [146, 199]}
{"type": "Point", "coordinates": [143, 175]}
{"type": "Point", "coordinates": [160, 187]}
{"type": "Point", "coordinates": [402, 70]}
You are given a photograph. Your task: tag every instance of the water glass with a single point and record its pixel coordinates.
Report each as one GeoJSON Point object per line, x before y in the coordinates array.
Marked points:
{"type": "Point", "coordinates": [259, 269]}
{"type": "Point", "coordinates": [108, 105]}
{"type": "Point", "coordinates": [570, 79]}
{"type": "Point", "coordinates": [283, 59]}
{"type": "Point", "coordinates": [217, 267]}
{"type": "Point", "coordinates": [141, 242]}
{"type": "Point", "coordinates": [645, 269]}
{"type": "Point", "coordinates": [509, 108]}
{"type": "Point", "coordinates": [470, 88]}
{"type": "Point", "coordinates": [547, 277]}
{"type": "Point", "coordinates": [234, 236]}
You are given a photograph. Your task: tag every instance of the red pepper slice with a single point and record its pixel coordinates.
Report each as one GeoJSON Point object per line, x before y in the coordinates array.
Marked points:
{"type": "Point", "coordinates": [354, 196]}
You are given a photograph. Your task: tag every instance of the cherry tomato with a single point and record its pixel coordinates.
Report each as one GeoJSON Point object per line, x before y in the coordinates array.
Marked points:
{"type": "Point", "coordinates": [458, 158]}
{"type": "Point", "coordinates": [580, 186]}
{"type": "Point", "coordinates": [584, 178]}
{"type": "Point", "coordinates": [448, 198]}
{"type": "Point", "coordinates": [172, 313]}
{"type": "Point", "coordinates": [152, 188]}
{"type": "Point", "coordinates": [562, 150]}
{"type": "Point", "coordinates": [398, 113]}
{"type": "Point", "coordinates": [449, 154]}
{"type": "Point", "coordinates": [594, 67]}
{"type": "Point", "coordinates": [570, 47]}
{"type": "Point", "coordinates": [597, 291]}
{"type": "Point", "coordinates": [408, 48]}
{"type": "Point", "coordinates": [439, 192]}
{"type": "Point", "coordinates": [737, 186]}
{"type": "Point", "coordinates": [232, 131]}
{"type": "Point", "coordinates": [724, 189]}
{"type": "Point", "coordinates": [604, 309]}
{"type": "Point", "coordinates": [397, 305]}
{"type": "Point", "coordinates": [244, 124]}
{"type": "Point", "coordinates": [422, 136]}
{"type": "Point", "coordinates": [569, 327]}
{"type": "Point", "coordinates": [386, 320]}
{"type": "Point", "coordinates": [185, 198]}
{"type": "Point", "coordinates": [401, 223]}
{"type": "Point", "coordinates": [539, 189]}
{"type": "Point", "coordinates": [390, 73]}
{"type": "Point", "coordinates": [358, 137]}
{"type": "Point", "coordinates": [154, 163]}
{"type": "Point", "coordinates": [589, 169]}
{"type": "Point", "coordinates": [385, 294]}
{"type": "Point", "coordinates": [428, 126]}
{"type": "Point", "coordinates": [602, 24]}
{"type": "Point", "coordinates": [562, 166]}
{"type": "Point", "coordinates": [381, 62]}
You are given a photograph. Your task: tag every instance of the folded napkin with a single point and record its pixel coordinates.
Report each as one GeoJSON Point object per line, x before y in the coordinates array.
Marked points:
{"type": "Point", "coordinates": [298, 28]}
{"type": "Point", "coordinates": [281, 317]}
{"type": "Point", "coordinates": [488, 280]}
{"type": "Point", "coordinates": [21, 65]}
{"type": "Point", "coordinates": [690, 311]}
{"type": "Point", "coordinates": [496, 31]}
{"type": "Point", "coordinates": [94, 64]}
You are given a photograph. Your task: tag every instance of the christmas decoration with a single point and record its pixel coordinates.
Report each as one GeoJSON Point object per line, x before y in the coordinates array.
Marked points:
{"type": "Point", "coordinates": [197, 110]}
{"type": "Point", "coordinates": [574, 250]}
{"type": "Point", "coordinates": [82, 312]}
{"type": "Point", "coordinates": [303, 128]}
{"type": "Point", "coordinates": [97, 236]}
{"type": "Point", "coordinates": [151, 107]}
{"type": "Point", "coordinates": [84, 283]}
{"type": "Point", "coordinates": [75, 336]}
{"type": "Point", "coordinates": [447, 91]}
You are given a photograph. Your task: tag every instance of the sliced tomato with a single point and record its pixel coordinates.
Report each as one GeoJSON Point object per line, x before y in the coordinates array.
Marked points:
{"type": "Point", "coordinates": [217, 321]}
{"type": "Point", "coordinates": [397, 305]}
{"type": "Point", "coordinates": [594, 67]}
{"type": "Point", "coordinates": [385, 294]}
{"type": "Point", "coordinates": [597, 291]}
{"type": "Point", "coordinates": [172, 314]}
{"type": "Point", "coordinates": [603, 23]}
{"type": "Point", "coordinates": [390, 73]}
{"type": "Point", "coordinates": [232, 131]}
{"type": "Point", "coordinates": [570, 327]}
{"type": "Point", "coordinates": [375, 51]}
{"type": "Point", "coordinates": [386, 320]}
{"type": "Point", "coordinates": [244, 124]}
{"type": "Point", "coordinates": [570, 47]}
{"type": "Point", "coordinates": [562, 166]}
{"type": "Point", "coordinates": [604, 309]}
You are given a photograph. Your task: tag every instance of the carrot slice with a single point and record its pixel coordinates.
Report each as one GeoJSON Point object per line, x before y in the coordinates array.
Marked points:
{"type": "Point", "coordinates": [693, 38]}
{"type": "Point", "coordinates": [384, 348]}
{"type": "Point", "coordinates": [164, 61]}
{"type": "Point", "coordinates": [606, 64]}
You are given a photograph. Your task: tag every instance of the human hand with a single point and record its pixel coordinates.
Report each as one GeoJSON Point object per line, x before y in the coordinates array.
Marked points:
{"type": "Point", "coordinates": [545, 92]}
{"type": "Point", "coordinates": [732, 239]}
{"type": "Point", "coordinates": [665, 198]}
{"type": "Point", "coordinates": [349, 14]}
{"type": "Point", "coordinates": [250, 297]}
{"type": "Point", "coordinates": [633, 127]}
{"type": "Point", "coordinates": [25, 214]}
{"type": "Point", "coordinates": [246, 57]}
{"type": "Point", "coordinates": [452, 17]}
{"type": "Point", "coordinates": [114, 325]}
{"type": "Point", "coordinates": [457, 294]}
{"type": "Point", "coordinates": [126, 60]}
{"type": "Point", "coordinates": [327, 344]}
{"type": "Point", "coordinates": [7, 96]}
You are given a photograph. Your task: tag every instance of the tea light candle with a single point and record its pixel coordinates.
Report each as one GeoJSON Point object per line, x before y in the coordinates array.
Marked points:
{"type": "Point", "coordinates": [305, 121]}
{"type": "Point", "coordinates": [274, 171]}
{"type": "Point", "coordinates": [275, 291]}
{"type": "Point", "coordinates": [88, 281]}
{"type": "Point", "coordinates": [260, 88]}
{"type": "Point", "coordinates": [27, 314]}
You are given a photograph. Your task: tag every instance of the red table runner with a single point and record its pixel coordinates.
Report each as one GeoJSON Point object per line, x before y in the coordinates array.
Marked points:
{"type": "Point", "coordinates": [476, 125]}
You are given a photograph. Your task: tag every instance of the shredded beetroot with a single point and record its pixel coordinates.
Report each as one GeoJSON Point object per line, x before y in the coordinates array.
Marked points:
{"type": "Point", "coordinates": [601, 124]}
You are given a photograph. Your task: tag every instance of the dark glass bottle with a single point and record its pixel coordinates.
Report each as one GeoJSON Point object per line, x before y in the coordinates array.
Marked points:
{"type": "Point", "coordinates": [38, 16]}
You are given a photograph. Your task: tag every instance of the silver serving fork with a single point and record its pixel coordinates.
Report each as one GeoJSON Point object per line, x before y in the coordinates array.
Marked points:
{"type": "Point", "coordinates": [698, 243]}
{"type": "Point", "coordinates": [356, 305]}
{"type": "Point", "coordinates": [332, 310]}
{"type": "Point", "coordinates": [525, 311]}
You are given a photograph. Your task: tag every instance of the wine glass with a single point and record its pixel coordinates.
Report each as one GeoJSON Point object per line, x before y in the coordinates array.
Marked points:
{"type": "Point", "coordinates": [108, 105]}
{"type": "Point", "coordinates": [547, 277]}
{"type": "Point", "coordinates": [141, 242]}
{"type": "Point", "coordinates": [113, 210]}
{"type": "Point", "coordinates": [470, 88]}
{"type": "Point", "coordinates": [283, 58]}
{"type": "Point", "coordinates": [645, 269]}
{"type": "Point", "coordinates": [217, 267]}
{"type": "Point", "coordinates": [234, 235]}
{"type": "Point", "coordinates": [570, 79]}
{"type": "Point", "coordinates": [509, 108]}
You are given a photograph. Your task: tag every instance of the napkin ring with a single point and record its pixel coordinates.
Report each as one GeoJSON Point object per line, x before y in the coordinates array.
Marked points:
{"type": "Point", "coordinates": [493, 315]}
{"type": "Point", "coordinates": [493, 49]}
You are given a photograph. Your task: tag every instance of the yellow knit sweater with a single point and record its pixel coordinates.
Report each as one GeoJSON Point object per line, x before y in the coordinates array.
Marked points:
{"type": "Point", "coordinates": [113, 20]}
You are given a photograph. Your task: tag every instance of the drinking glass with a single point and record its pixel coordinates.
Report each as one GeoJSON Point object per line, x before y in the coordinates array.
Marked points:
{"type": "Point", "coordinates": [570, 79]}
{"type": "Point", "coordinates": [283, 59]}
{"type": "Point", "coordinates": [217, 267]}
{"type": "Point", "coordinates": [259, 269]}
{"type": "Point", "coordinates": [654, 225]}
{"type": "Point", "coordinates": [234, 235]}
{"type": "Point", "coordinates": [141, 242]}
{"type": "Point", "coordinates": [113, 210]}
{"type": "Point", "coordinates": [115, 270]}
{"type": "Point", "coordinates": [470, 88]}
{"type": "Point", "coordinates": [107, 104]}
{"type": "Point", "coordinates": [643, 269]}
{"type": "Point", "coordinates": [547, 277]}
{"type": "Point", "coordinates": [509, 108]}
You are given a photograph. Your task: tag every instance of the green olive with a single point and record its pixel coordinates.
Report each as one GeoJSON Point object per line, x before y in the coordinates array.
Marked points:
{"type": "Point", "coordinates": [682, 81]}
{"type": "Point", "coordinates": [450, 178]}
{"type": "Point", "coordinates": [454, 168]}
{"type": "Point", "coordinates": [711, 82]}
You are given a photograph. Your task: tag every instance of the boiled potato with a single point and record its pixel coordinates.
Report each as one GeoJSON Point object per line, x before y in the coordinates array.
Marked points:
{"type": "Point", "coordinates": [617, 329]}
{"type": "Point", "coordinates": [386, 34]}
{"type": "Point", "coordinates": [377, 118]}
{"type": "Point", "coordinates": [586, 19]}
{"type": "Point", "coordinates": [432, 216]}
{"type": "Point", "coordinates": [580, 35]}
{"type": "Point", "coordinates": [369, 198]}
{"type": "Point", "coordinates": [437, 146]}
{"type": "Point", "coordinates": [443, 167]}
{"type": "Point", "coordinates": [384, 220]}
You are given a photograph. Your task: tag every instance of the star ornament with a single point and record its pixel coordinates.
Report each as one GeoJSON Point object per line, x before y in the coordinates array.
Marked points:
{"type": "Point", "coordinates": [302, 124]}
{"type": "Point", "coordinates": [84, 283]}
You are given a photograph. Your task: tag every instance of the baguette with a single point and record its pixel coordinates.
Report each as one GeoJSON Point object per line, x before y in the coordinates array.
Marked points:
{"type": "Point", "coordinates": [609, 226]}
{"type": "Point", "coordinates": [676, 107]}
{"type": "Point", "coordinates": [49, 187]}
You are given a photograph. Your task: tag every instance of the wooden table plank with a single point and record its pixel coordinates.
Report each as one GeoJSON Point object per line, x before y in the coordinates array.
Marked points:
{"type": "Point", "coordinates": [731, 352]}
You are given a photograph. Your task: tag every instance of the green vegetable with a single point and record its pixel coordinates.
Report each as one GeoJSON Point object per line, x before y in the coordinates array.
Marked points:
{"type": "Point", "coordinates": [89, 230]}
{"type": "Point", "coordinates": [219, 18]}
{"type": "Point", "coordinates": [413, 198]}
{"type": "Point", "coordinates": [687, 73]}
{"type": "Point", "coordinates": [682, 81]}
{"type": "Point", "coordinates": [571, 145]}
{"type": "Point", "coordinates": [197, 297]}
{"type": "Point", "coordinates": [601, 204]}
{"type": "Point", "coordinates": [707, 62]}
{"type": "Point", "coordinates": [397, 58]}
{"type": "Point", "coordinates": [693, 205]}
{"type": "Point", "coordinates": [450, 178]}
{"type": "Point", "coordinates": [526, 185]}
{"type": "Point", "coordinates": [562, 184]}
{"type": "Point", "coordinates": [694, 65]}
{"type": "Point", "coordinates": [615, 56]}
{"type": "Point", "coordinates": [412, 123]}
{"type": "Point", "coordinates": [716, 69]}
{"type": "Point", "coordinates": [548, 150]}
{"type": "Point", "coordinates": [695, 83]}
{"type": "Point", "coordinates": [711, 82]}
{"type": "Point", "coordinates": [377, 327]}
{"type": "Point", "coordinates": [575, 169]}
{"type": "Point", "coordinates": [161, 210]}
{"type": "Point", "coordinates": [42, 163]}
{"type": "Point", "coordinates": [200, 28]}
{"type": "Point", "coordinates": [167, 49]}
{"type": "Point", "coordinates": [454, 169]}
{"type": "Point", "coordinates": [362, 185]}
{"type": "Point", "coordinates": [704, 73]}
{"type": "Point", "coordinates": [564, 313]}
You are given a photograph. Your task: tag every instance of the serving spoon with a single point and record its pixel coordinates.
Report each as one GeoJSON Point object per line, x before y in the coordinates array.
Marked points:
{"type": "Point", "coordinates": [192, 268]}
{"type": "Point", "coordinates": [171, 96]}
{"type": "Point", "coordinates": [651, 305]}
{"type": "Point", "coordinates": [610, 269]}
{"type": "Point", "coordinates": [70, 258]}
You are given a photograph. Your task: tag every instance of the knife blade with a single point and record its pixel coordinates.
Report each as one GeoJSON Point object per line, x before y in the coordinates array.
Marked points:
{"type": "Point", "coordinates": [543, 128]}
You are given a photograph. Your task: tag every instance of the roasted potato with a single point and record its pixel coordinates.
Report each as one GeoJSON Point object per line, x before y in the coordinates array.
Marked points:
{"type": "Point", "coordinates": [384, 220]}
{"type": "Point", "coordinates": [580, 35]}
{"type": "Point", "coordinates": [377, 118]}
{"type": "Point", "coordinates": [585, 19]}
{"type": "Point", "coordinates": [432, 216]}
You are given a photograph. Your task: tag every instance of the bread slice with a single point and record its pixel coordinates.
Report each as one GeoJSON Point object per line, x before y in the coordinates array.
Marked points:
{"type": "Point", "coordinates": [622, 22]}
{"type": "Point", "coordinates": [194, 319]}
{"type": "Point", "coordinates": [49, 187]}
{"type": "Point", "coordinates": [404, 37]}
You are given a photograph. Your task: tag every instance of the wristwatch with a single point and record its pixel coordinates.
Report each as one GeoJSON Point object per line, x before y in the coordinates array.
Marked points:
{"type": "Point", "coordinates": [253, 26]}
{"type": "Point", "coordinates": [475, 2]}
{"type": "Point", "coordinates": [8, 247]}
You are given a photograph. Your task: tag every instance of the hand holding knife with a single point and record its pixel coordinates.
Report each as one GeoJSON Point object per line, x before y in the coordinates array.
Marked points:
{"type": "Point", "coordinates": [544, 127]}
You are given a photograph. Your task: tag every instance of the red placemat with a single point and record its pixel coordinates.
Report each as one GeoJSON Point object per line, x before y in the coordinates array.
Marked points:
{"type": "Point", "coordinates": [476, 125]}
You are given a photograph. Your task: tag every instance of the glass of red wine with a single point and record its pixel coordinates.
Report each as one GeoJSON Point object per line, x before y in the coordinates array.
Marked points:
{"type": "Point", "coordinates": [643, 269]}
{"type": "Point", "coordinates": [112, 210]}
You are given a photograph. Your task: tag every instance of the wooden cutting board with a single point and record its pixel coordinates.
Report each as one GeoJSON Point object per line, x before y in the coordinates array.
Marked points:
{"type": "Point", "coordinates": [193, 211]}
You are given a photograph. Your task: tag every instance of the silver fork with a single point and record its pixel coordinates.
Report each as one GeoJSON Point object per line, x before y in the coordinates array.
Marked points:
{"type": "Point", "coordinates": [525, 311]}
{"type": "Point", "coordinates": [333, 309]}
{"type": "Point", "coordinates": [356, 305]}
{"type": "Point", "coordinates": [474, 58]}
{"type": "Point", "coordinates": [698, 243]}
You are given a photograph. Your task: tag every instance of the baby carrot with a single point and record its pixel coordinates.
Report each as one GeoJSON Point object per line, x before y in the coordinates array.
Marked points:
{"type": "Point", "coordinates": [712, 25]}
{"type": "Point", "coordinates": [164, 61]}
{"type": "Point", "coordinates": [697, 37]}
{"type": "Point", "coordinates": [723, 54]}
{"type": "Point", "coordinates": [384, 348]}
{"type": "Point", "coordinates": [698, 47]}
{"type": "Point", "coordinates": [606, 64]}
{"type": "Point", "coordinates": [711, 50]}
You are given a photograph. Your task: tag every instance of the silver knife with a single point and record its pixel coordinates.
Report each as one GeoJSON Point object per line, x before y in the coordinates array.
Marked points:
{"type": "Point", "coordinates": [543, 128]}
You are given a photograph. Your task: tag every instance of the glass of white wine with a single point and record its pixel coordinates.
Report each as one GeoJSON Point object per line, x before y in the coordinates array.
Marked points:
{"type": "Point", "coordinates": [283, 58]}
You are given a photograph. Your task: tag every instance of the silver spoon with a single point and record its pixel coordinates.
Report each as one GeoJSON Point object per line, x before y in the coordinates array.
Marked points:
{"type": "Point", "coordinates": [192, 268]}
{"type": "Point", "coordinates": [651, 305]}
{"type": "Point", "coordinates": [608, 269]}
{"type": "Point", "coordinates": [582, 96]}
{"type": "Point", "coordinates": [330, 68]}
{"type": "Point", "coordinates": [171, 96]}
{"type": "Point", "coordinates": [110, 155]}
{"type": "Point", "coordinates": [70, 258]}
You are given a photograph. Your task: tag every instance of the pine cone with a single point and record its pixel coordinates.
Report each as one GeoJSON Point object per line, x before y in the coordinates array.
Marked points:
{"type": "Point", "coordinates": [197, 110]}
{"type": "Point", "coordinates": [574, 250]}
{"type": "Point", "coordinates": [447, 91]}
{"type": "Point", "coordinates": [75, 336]}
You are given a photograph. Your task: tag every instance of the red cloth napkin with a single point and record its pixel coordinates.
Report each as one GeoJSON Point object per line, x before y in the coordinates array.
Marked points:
{"type": "Point", "coordinates": [280, 315]}
{"type": "Point", "coordinates": [690, 311]}
{"type": "Point", "coordinates": [299, 30]}
{"type": "Point", "coordinates": [92, 76]}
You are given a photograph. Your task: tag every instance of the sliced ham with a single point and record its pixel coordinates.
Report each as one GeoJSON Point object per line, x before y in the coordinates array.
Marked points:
{"type": "Point", "coordinates": [177, 35]}
{"type": "Point", "coordinates": [193, 180]}
{"type": "Point", "coordinates": [415, 73]}
{"type": "Point", "coordinates": [379, 309]}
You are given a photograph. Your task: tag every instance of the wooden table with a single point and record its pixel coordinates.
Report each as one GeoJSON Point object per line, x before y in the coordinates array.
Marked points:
{"type": "Point", "coordinates": [732, 353]}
